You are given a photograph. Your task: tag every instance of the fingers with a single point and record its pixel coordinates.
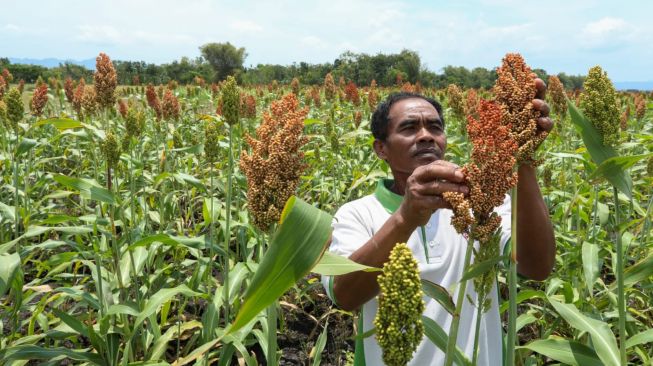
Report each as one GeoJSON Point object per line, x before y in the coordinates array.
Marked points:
{"type": "Point", "coordinates": [545, 124]}
{"type": "Point", "coordinates": [438, 187]}
{"type": "Point", "coordinates": [439, 170]}
{"type": "Point", "coordinates": [540, 86]}
{"type": "Point", "coordinates": [541, 106]}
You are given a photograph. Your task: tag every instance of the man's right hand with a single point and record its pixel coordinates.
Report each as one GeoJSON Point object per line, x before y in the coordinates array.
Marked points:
{"type": "Point", "coordinates": [424, 188]}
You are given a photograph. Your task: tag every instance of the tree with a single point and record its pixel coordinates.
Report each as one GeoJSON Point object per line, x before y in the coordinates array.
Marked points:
{"type": "Point", "coordinates": [225, 58]}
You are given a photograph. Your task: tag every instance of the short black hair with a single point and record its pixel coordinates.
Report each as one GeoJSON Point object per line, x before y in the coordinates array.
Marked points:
{"type": "Point", "coordinates": [380, 117]}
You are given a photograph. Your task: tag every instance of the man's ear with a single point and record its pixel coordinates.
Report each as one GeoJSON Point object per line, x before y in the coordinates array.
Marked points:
{"type": "Point", "coordinates": [379, 149]}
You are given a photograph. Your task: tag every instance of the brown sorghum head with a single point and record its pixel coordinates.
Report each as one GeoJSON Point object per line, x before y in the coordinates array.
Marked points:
{"type": "Point", "coordinates": [39, 99]}
{"type": "Point", "coordinates": [170, 106]}
{"type": "Point", "coordinates": [329, 87]}
{"type": "Point", "coordinates": [153, 100]}
{"type": "Point", "coordinates": [69, 89]}
{"type": "Point", "coordinates": [558, 97]}
{"type": "Point", "coordinates": [515, 90]}
{"type": "Point", "coordinates": [106, 80]}
{"type": "Point", "coordinates": [275, 163]}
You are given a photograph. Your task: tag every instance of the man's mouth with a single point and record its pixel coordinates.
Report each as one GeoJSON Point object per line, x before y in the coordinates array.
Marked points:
{"type": "Point", "coordinates": [429, 151]}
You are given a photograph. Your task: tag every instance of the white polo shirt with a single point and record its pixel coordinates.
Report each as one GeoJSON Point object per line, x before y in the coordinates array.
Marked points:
{"type": "Point", "coordinates": [440, 252]}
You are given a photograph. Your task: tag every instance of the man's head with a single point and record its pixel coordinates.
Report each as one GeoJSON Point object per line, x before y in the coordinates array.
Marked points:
{"type": "Point", "coordinates": [380, 117]}
{"type": "Point", "coordinates": [409, 132]}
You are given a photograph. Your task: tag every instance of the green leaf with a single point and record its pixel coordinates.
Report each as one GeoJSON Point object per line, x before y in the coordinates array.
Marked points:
{"type": "Point", "coordinates": [478, 269]}
{"type": "Point", "coordinates": [9, 269]}
{"type": "Point", "coordinates": [603, 339]}
{"type": "Point", "coordinates": [613, 170]}
{"type": "Point", "coordinates": [590, 254]}
{"type": "Point", "coordinates": [640, 338]}
{"type": "Point", "coordinates": [639, 271]}
{"type": "Point", "coordinates": [30, 352]}
{"type": "Point", "coordinates": [565, 351]}
{"type": "Point", "coordinates": [211, 215]}
{"type": "Point", "coordinates": [87, 188]}
{"type": "Point", "coordinates": [160, 345]}
{"type": "Point", "coordinates": [319, 345]}
{"type": "Point", "coordinates": [300, 240]}
{"type": "Point", "coordinates": [72, 322]}
{"type": "Point", "coordinates": [24, 146]}
{"type": "Point", "coordinates": [439, 337]}
{"type": "Point", "coordinates": [440, 294]}
{"type": "Point", "coordinates": [59, 123]}
{"type": "Point", "coordinates": [7, 212]}
{"type": "Point", "coordinates": [163, 295]}
{"type": "Point", "coordinates": [334, 265]}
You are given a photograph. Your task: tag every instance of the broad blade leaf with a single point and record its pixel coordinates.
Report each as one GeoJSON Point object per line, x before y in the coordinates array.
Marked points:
{"type": "Point", "coordinates": [334, 265]}
{"type": "Point", "coordinates": [440, 294]}
{"type": "Point", "coordinates": [565, 351]}
{"type": "Point", "coordinates": [30, 352]}
{"type": "Point", "coordinates": [590, 253]}
{"type": "Point", "coordinates": [59, 123]}
{"type": "Point", "coordinates": [24, 146]}
{"type": "Point", "coordinates": [613, 170]}
{"type": "Point", "coordinates": [603, 339]}
{"type": "Point", "coordinates": [639, 271]}
{"type": "Point", "coordinates": [159, 298]}
{"type": "Point", "coordinates": [478, 269]}
{"type": "Point", "coordinates": [9, 269]}
{"type": "Point", "coordinates": [640, 338]}
{"type": "Point", "coordinates": [296, 247]}
{"type": "Point", "coordinates": [87, 188]}
{"type": "Point", "coordinates": [439, 337]}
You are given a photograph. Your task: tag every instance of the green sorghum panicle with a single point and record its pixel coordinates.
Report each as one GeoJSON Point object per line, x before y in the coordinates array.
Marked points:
{"type": "Point", "coordinates": [599, 104]}
{"type": "Point", "coordinates": [15, 107]}
{"type": "Point", "coordinates": [211, 141]}
{"type": "Point", "coordinates": [649, 167]}
{"type": "Point", "coordinates": [399, 328]}
{"type": "Point", "coordinates": [230, 101]}
{"type": "Point", "coordinates": [3, 114]}
{"type": "Point", "coordinates": [111, 150]}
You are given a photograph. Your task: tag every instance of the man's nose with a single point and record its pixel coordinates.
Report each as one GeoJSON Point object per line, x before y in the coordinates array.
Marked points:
{"type": "Point", "coordinates": [423, 134]}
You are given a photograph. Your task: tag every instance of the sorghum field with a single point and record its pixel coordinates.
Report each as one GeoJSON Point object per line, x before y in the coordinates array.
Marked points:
{"type": "Point", "coordinates": [133, 220]}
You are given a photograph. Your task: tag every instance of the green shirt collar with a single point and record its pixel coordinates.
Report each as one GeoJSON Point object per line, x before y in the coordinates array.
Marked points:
{"type": "Point", "coordinates": [389, 200]}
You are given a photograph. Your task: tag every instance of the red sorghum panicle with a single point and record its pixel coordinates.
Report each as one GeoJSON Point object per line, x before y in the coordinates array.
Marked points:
{"type": "Point", "coordinates": [106, 81]}
{"type": "Point", "coordinates": [372, 97]}
{"type": "Point", "coordinates": [39, 99]}
{"type": "Point", "coordinates": [89, 101]}
{"type": "Point", "coordinates": [275, 163]}
{"type": "Point", "coordinates": [78, 94]}
{"type": "Point", "coordinates": [3, 86]}
{"type": "Point", "coordinates": [122, 107]}
{"type": "Point", "coordinates": [69, 89]}
{"type": "Point", "coordinates": [329, 87]}
{"type": "Point", "coordinates": [471, 103]}
{"type": "Point", "coordinates": [21, 85]}
{"type": "Point", "coordinates": [408, 87]}
{"type": "Point", "coordinates": [515, 90]}
{"type": "Point", "coordinates": [170, 106]}
{"type": "Point", "coordinates": [247, 106]}
{"type": "Point", "coordinates": [153, 100]}
{"type": "Point", "coordinates": [351, 93]}
{"type": "Point", "coordinates": [294, 86]}
{"type": "Point", "coordinates": [640, 106]}
{"type": "Point", "coordinates": [558, 97]}
{"type": "Point", "coordinates": [489, 174]}
{"type": "Point", "coordinates": [7, 75]}
{"type": "Point", "coordinates": [315, 96]}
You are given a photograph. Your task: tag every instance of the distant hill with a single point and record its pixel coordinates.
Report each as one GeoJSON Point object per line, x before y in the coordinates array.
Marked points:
{"type": "Point", "coordinates": [53, 62]}
{"type": "Point", "coordinates": [634, 85]}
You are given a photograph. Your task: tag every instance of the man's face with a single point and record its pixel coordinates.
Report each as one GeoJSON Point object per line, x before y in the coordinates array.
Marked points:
{"type": "Point", "coordinates": [415, 136]}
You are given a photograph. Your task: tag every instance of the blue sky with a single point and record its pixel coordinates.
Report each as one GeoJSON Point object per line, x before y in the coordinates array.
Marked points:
{"type": "Point", "coordinates": [559, 36]}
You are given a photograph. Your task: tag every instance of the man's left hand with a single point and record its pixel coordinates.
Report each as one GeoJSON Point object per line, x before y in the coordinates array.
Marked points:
{"type": "Point", "coordinates": [544, 123]}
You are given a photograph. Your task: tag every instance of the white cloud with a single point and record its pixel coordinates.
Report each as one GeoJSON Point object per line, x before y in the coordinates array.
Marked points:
{"type": "Point", "coordinates": [12, 28]}
{"type": "Point", "coordinates": [315, 42]}
{"type": "Point", "coordinates": [246, 26]}
{"type": "Point", "coordinates": [100, 34]}
{"type": "Point", "coordinates": [604, 27]}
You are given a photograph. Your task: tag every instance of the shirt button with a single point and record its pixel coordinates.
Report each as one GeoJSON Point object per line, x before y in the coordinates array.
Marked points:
{"type": "Point", "coordinates": [428, 225]}
{"type": "Point", "coordinates": [432, 243]}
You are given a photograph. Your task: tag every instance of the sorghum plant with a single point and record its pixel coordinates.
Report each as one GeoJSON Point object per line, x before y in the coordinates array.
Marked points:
{"type": "Point", "coordinates": [275, 163]}
{"type": "Point", "coordinates": [455, 101]}
{"type": "Point", "coordinates": [106, 81]}
{"type": "Point", "coordinates": [558, 97]}
{"type": "Point", "coordinates": [170, 106]}
{"type": "Point", "coordinates": [599, 104]}
{"type": "Point", "coordinates": [398, 321]}
{"type": "Point", "coordinates": [39, 99]}
{"type": "Point", "coordinates": [329, 87]}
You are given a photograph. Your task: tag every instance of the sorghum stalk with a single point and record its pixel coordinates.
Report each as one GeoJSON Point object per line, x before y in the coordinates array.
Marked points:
{"type": "Point", "coordinates": [621, 299]}
{"type": "Point", "coordinates": [512, 285]}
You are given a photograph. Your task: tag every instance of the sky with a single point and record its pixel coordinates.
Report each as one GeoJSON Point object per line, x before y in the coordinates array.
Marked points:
{"type": "Point", "coordinates": [559, 36]}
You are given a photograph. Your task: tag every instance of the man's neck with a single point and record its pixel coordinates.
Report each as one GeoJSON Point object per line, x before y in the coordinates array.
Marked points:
{"type": "Point", "coordinates": [399, 184]}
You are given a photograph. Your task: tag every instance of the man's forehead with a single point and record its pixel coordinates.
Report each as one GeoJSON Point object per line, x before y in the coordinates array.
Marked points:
{"type": "Point", "coordinates": [412, 106]}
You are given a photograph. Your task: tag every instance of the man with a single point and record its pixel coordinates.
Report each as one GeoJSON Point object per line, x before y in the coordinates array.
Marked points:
{"type": "Point", "coordinates": [410, 137]}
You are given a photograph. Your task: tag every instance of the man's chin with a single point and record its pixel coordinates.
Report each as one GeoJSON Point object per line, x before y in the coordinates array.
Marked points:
{"type": "Point", "coordinates": [426, 159]}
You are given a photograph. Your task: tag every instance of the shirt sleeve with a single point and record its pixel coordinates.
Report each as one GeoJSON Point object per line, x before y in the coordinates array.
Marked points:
{"type": "Point", "coordinates": [504, 212]}
{"type": "Point", "coordinates": [351, 230]}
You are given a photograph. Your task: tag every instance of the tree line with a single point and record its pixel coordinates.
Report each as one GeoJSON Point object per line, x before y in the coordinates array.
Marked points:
{"type": "Point", "coordinates": [218, 60]}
